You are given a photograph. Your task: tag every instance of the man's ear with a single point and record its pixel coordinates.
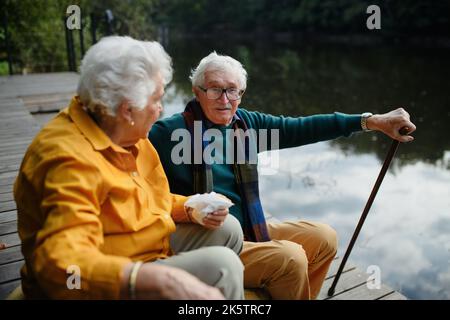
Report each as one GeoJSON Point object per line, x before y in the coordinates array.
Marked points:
{"type": "Point", "coordinates": [124, 112]}
{"type": "Point", "coordinates": [195, 91]}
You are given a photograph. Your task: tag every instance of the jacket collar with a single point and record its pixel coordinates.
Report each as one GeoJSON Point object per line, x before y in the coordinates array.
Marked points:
{"type": "Point", "coordinates": [89, 128]}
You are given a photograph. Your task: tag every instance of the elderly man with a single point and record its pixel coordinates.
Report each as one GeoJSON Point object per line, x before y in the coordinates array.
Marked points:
{"type": "Point", "coordinates": [289, 259]}
{"type": "Point", "coordinates": [95, 214]}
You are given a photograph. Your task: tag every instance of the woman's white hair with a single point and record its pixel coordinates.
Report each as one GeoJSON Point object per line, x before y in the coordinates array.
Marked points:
{"type": "Point", "coordinates": [217, 62]}
{"type": "Point", "coordinates": [118, 69]}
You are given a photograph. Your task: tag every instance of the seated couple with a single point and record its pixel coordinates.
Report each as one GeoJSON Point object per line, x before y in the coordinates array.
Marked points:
{"type": "Point", "coordinates": [96, 196]}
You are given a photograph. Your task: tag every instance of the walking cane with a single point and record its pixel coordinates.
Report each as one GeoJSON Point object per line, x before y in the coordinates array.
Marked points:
{"type": "Point", "coordinates": [387, 162]}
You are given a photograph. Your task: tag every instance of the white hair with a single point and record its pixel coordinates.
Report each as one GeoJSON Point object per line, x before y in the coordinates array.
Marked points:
{"type": "Point", "coordinates": [217, 62]}
{"type": "Point", "coordinates": [118, 69]}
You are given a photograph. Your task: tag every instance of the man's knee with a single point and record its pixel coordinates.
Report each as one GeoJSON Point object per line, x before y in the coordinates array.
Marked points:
{"type": "Point", "coordinates": [292, 258]}
{"type": "Point", "coordinates": [327, 237]}
{"type": "Point", "coordinates": [230, 234]}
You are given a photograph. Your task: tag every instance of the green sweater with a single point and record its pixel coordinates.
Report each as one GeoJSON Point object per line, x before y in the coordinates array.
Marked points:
{"type": "Point", "coordinates": [293, 132]}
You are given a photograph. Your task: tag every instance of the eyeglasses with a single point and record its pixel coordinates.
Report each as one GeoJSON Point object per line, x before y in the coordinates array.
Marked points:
{"type": "Point", "coordinates": [215, 93]}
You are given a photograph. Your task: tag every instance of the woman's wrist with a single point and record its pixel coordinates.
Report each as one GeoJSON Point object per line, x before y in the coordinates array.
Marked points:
{"type": "Point", "coordinates": [189, 217]}
{"type": "Point", "coordinates": [133, 279]}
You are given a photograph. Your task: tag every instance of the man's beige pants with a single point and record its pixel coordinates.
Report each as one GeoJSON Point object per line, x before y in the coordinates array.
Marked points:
{"type": "Point", "coordinates": [293, 265]}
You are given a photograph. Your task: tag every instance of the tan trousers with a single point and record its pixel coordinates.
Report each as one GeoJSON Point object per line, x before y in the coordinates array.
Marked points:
{"type": "Point", "coordinates": [294, 264]}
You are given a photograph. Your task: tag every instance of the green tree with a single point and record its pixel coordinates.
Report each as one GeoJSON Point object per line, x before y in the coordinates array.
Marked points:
{"type": "Point", "coordinates": [37, 28]}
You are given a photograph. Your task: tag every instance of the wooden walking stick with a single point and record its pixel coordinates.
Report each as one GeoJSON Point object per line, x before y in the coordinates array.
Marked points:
{"type": "Point", "coordinates": [384, 168]}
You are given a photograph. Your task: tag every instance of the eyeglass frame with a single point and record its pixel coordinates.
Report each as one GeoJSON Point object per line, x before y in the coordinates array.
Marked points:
{"type": "Point", "coordinates": [205, 90]}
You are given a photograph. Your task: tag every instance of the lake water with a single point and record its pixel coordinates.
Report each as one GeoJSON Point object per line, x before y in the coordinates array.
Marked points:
{"type": "Point", "coordinates": [407, 232]}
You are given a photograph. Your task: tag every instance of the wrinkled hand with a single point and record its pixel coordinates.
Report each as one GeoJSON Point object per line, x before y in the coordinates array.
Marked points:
{"type": "Point", "coordinates": [213, 220]}
{"type": "Point", "coordinates": [390, 124]}
{"type": "Point", "coordinates": [163, 282]}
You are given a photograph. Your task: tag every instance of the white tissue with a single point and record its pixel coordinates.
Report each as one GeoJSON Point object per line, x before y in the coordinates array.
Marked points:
{"type": "Point", "coordinates": [205, 203]}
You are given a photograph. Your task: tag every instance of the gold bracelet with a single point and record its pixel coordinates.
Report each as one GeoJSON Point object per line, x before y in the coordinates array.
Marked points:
{"type": "Point", "coordinates": [132, 281]}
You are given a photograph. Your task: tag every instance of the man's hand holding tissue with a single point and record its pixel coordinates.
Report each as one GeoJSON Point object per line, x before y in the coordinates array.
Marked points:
{"type": "Point", "coordinates": [209, 209]}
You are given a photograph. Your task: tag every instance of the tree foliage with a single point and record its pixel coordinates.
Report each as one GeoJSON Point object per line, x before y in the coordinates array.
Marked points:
{"type": "Point", "coordinates": [37, 34]}
{"type": "Point", "coordinates": [335, 16]}
{"type": "Point", "coordinates": [37, 29]}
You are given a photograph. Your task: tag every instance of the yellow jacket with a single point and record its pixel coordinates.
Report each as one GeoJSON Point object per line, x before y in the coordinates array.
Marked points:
{"type": "Point", "coordinates": [84, 201]}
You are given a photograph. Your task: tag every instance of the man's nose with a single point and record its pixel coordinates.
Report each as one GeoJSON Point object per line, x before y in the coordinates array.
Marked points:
{"type": "Point", "coordinates": [223, 98]}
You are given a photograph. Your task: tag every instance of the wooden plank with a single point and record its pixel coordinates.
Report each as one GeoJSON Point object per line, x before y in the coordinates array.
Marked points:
{"type": "Point", "coordinates": [20, 123]}
{"type": "Point", "coordinates": [7, 206]}
{"type": "Point", "coordinates": [8, 181]}
{"type": "Point", "coordinates": [13, 158]}
{"type": "Point", "coordinates": [10, 271]}
{"type": "Point", "coordinates": [363, 293]}
{"type": "Point", "coordinates": [393, 296]}
{"type": "Point", "coordinates": [348, 280]}
{"type": "Point", "coordinates": [8, 227]}
{"type": "Point", "coordinates": [14, 131]}
{"type": "Point", "coordinates": [48, 102]}
{"type": "Point", "coordinates": [7, 288]}
{"type": "Point", "coordinates": [38, 84]}
{"type": "Point", "coordinates": [10, 240]}
{"type": "Point", "coordinates": [15, 149]}
{"type": "Point", "coordinates": [7, 174]}
{"type": "Point", "coordinates": [7, 122]}
{"type": "Point", "coordinates": [17, 141]}
{"type": "Point", "coordinates": [9, 167]}
{"type": "Point", "coordinates": [11, 254]}
{"type": "Point", "coordinates": [335, 266]}
{"type": "Point", "coordinates": [8, 163]}
{"type": "Point", "coordinates": [6, 197]}
{"type": "Point", "coordinates": [6, 188]}
{"type": "Point", "coordinates": [18, 153]}
{"type": "Point", "coordinates": [8, 216]}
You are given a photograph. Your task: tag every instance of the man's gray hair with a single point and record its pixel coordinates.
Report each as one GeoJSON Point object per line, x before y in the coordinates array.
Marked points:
{"type": "Point", "coordinates": [118, 69]}
{"type": "Point", "coordinates": [216, 62]}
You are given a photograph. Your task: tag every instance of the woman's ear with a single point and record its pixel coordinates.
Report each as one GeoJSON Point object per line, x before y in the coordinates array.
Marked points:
{"type": "Point", "coordinates": [124, 112]}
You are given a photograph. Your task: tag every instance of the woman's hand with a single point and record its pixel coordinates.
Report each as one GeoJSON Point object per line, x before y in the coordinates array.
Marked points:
{"type": "Point", "coordinates": [155, 281]}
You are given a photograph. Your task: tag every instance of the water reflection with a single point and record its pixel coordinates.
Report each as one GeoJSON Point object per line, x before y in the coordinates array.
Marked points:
{"type": "Point", "coordinates": [407, 233]}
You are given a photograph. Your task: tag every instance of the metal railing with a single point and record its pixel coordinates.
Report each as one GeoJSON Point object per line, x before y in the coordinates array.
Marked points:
{"type": "Point", "coordinates": [95, 20]}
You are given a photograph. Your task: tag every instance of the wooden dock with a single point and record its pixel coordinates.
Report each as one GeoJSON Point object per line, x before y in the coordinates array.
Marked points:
{"type": "Point", "coordinates": [19, 97]}
{"type": "Point", "coordinates": [22, 96]}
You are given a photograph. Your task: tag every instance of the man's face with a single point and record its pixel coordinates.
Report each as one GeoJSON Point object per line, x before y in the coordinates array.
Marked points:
{"type": "Point", "coordinates": [221, 110]}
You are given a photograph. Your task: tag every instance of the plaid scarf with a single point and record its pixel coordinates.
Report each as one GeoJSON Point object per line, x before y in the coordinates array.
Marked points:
{"type": "Point", "coordinates": [246, 174]}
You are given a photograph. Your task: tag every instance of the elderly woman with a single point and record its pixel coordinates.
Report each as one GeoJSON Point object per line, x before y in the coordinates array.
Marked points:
{"type": "Point", "coordinates": [96, 217]}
